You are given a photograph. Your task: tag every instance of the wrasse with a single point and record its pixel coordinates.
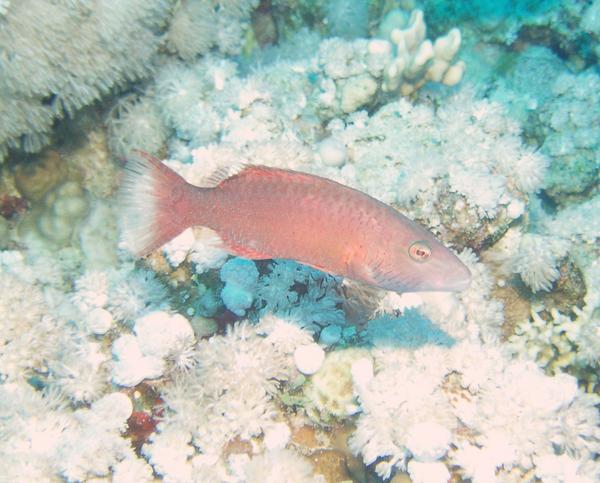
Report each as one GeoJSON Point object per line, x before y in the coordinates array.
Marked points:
{"type": "Point", "coordinates": [261, 213]}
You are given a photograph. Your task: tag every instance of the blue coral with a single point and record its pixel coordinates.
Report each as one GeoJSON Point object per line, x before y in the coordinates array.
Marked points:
{"type": "Point", "coordinates": [240, 277]}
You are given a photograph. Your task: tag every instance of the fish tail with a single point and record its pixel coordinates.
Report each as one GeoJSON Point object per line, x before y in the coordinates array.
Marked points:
{"type": "Point", "coordinates": [156, 204]}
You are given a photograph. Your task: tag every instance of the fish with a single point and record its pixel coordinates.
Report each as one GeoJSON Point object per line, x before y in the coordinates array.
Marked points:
{"type": "Point", "coordinates": [261, 212]}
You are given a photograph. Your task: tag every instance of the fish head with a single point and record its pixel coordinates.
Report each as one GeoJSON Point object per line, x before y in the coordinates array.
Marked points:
{"type": "Point", "coordinates": [416, 261]}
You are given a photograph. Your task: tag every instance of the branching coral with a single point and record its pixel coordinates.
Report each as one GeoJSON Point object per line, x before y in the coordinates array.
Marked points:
{"type": "Point", "coordinates": [558, 341]}
{"type": "Point", "coordinates": [354, 72]}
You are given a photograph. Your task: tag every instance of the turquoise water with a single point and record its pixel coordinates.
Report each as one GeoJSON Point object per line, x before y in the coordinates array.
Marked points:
{"type": "Point", "coordinates": [204, 361]}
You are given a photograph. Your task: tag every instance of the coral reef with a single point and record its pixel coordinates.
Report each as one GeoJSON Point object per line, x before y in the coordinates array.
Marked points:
{"type": "Point", "coordinates": [190, 365]}
{"type": "Point", "coordinates": [427, 167]}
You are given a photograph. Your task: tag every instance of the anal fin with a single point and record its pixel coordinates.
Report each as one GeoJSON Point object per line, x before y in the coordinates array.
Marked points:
{"type": "Point", "coordinates": [246, 251]}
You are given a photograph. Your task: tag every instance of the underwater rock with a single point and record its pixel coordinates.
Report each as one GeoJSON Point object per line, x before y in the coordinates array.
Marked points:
{"type": "Point", "coordinates": [54, 221]}
{"type": "Point", "coordinates": [462, 225]}
{"type": "Point", "coordinates": [347, 18]}
{"type": "Point", "coordinates": [91, 162]}
{"type": "Point", "coordinates": [570, 122]}
{"type": "Point", "coordinates": [35, 179]}
{"type": "Point", "coordinates": [263, 25]}
{"type": "Point", "coordinates": [4, 233]}
{"type": "Point", "coordinates": [12, 206]}
{"type": "Point", "coordinates": [98, 236]}
{"type": "Point", "coordinates": [330, 390]}
{"type": "Point", "coordinates": [203, 326]}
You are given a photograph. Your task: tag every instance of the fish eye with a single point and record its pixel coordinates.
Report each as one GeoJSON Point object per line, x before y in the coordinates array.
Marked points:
{"type": "Point", "coordinates": [419, 251]}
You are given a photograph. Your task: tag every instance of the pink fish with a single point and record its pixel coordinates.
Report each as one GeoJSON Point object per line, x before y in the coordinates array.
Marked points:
{"type": "Point", "coordinates": [261, 212]}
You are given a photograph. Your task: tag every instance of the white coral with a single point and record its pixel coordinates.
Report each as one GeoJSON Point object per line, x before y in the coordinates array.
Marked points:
{"type": "Point", "coordinates": [109, 43]}
{"type": "Point", "coordinates": [228, 394]}
{"type": "Point", "coordinates": [160, 337]}
{"type": "Point", "coordinates": [513, 413]}
{"type": "Point", "coordinates": [134, 123]}
{"type": "Point", "coordinates": [81, 370]}
{"type": "Point", "coordinates": [192, 29]}
{"type": "Point", "coordinates": [133, 293]}
{"type": "Point", "coordinates": [27, 332]}
{"type": "Point", "coordinates": [390, 409]}
{"type": "Point", "coordinates": [418, 152]}
{"type": "Point", "coordinates": [41, 438]}
{"type": "Point", "coordinates": [418, 60]}
{"type": "Point", "coordinates": [280, 465]}
{"type": "Point", "coordinates": [168, 452]}
{"type": "Point", "coordinates": [536, 260]}
{"type": "Point", "coordinates": [92, 444]}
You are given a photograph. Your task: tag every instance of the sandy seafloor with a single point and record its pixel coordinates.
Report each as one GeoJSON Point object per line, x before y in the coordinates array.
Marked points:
{"type": "Point", "coordinates": [192, 365]}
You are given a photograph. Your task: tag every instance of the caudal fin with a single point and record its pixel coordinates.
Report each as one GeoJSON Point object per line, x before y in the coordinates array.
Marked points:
{"type": "Point", "coordinates": [155, 204]}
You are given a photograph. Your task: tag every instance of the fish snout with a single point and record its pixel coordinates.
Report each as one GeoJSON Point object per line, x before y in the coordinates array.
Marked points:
{"type": "Point", "coordinates": [459, 279]}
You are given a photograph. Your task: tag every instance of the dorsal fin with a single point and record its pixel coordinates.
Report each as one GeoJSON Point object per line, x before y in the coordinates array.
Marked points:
{"type": "Point", "coordinates": [226, 172]}
{"type": "Point", "coordinates": [221, 174]}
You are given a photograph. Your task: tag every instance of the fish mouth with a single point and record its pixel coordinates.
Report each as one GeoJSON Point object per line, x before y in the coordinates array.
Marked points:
{"type": "Point", "coordinates": [459, 281]}
{"type": "Point", "coordinates": [461, 284]}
